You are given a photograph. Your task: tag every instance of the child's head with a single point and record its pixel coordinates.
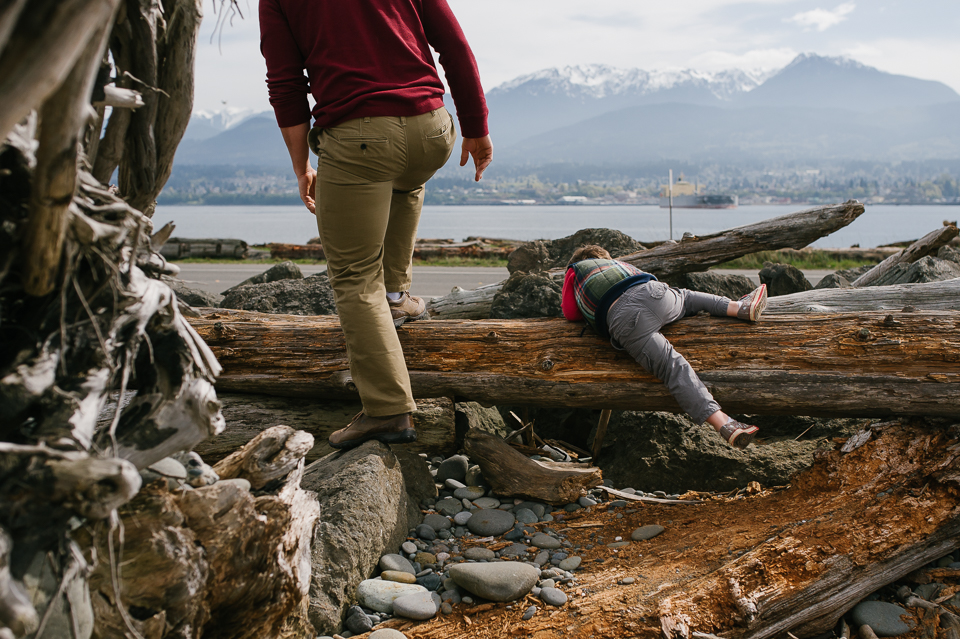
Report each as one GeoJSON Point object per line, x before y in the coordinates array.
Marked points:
{"type": "Point", "coordinates": [590, 252]}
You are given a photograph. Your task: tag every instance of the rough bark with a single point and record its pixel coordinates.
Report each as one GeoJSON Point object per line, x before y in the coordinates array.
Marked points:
{"type": "Point", "coordinates": [862, 364]}
{"type": "Point", "coordinates": [62, 117]}
{"type": "Point", "coordinates": [513, 474]}
{"type": "Point", "coordinates": [803, 579]}
{"type": "Point", "coordinates": [929, 244]}
{"type": "Point", "coordinates": [795, 230]}
{"type": "Point", "coordinates": [267, 457]}
{"type": "Point", "coordinates": [42, 49]}
{"type": "Point", "coordinates": [928, 296]}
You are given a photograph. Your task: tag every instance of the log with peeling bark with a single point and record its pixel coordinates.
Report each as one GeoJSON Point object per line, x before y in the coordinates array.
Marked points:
{"type": "Point", "coordinates": [926, 296]}
{"type": "Point", "coordinates": [852, 543]}
{"type": "Point", "coordinates": [795, 230]}
{"type": "Point", "coordinates": [845, 364]}
{"type": "Point", "coordinates": [513, 474]}
{"type": "Point", "coordinates": [929, 244]}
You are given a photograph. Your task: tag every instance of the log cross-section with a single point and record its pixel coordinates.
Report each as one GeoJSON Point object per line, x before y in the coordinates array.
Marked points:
{"type": "Point", "coordinates": [858, 364]}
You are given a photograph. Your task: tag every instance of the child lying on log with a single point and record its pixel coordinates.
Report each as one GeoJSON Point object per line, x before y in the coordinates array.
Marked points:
{"type": "Point", "coordinates": [629, 306]}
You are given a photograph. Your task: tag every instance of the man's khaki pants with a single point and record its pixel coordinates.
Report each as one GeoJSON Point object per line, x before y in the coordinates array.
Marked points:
{"type": "Point", "coordinates": [370, 179]}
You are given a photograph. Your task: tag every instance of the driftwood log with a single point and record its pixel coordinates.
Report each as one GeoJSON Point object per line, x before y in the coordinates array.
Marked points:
{"type": "Point", "coordinates": [927, 296]}
{"type": "Point", "coordinates": [851, 542]}
{"type": "Point", "coordinates": [929, 244]}
{"type": "Point", "coordinates": [795, 230]}
{"type": "Point", "coordinates": [844, 364]}
{"type": "Point", "coordinates": [513, 474]}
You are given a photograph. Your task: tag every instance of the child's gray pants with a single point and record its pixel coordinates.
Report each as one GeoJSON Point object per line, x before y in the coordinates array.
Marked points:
{"type": "Point", "coordinates": [634, 322]}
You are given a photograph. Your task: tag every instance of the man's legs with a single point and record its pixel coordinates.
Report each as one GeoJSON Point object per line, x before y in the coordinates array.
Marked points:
{"type": "Point", "coordinates": [358, 163]}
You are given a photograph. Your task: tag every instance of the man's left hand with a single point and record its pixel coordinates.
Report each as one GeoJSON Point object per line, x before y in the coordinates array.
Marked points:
{"type": "Point", "coordinates": [307, 183]}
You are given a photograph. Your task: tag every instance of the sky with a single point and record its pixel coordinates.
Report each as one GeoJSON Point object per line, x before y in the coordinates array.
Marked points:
{"type": "Point", "coordinates": [514, 37]}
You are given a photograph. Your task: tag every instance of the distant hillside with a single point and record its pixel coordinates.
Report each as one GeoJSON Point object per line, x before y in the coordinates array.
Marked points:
{"type": "Point", "coordinates": [701, 133]}
{"type": "Point", "coordinates": [255, 141]}
{"type": "Point", "coordinates": [816, 81]}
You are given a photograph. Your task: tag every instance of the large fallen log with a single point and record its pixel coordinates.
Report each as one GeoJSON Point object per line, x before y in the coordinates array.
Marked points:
{"type": "Point", "coordinates": [795, 230]}
{"type": "Point", "coordinates": [929, 244]}
{"type": "Point", "coordinates": [865, 364]}
{"type": "Point", "coordinates": [928, 296]}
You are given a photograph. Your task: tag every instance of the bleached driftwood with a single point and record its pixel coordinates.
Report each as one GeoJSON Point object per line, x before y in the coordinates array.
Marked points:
{"type": "Point", "coordinates": [927, 296]}
{"type": "Point", "coordinates": [269, 456]}
{"type": "Point", "coordinates": [926, 245]}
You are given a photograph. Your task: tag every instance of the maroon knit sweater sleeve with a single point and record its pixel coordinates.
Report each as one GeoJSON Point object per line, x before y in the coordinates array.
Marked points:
{"type": "Point", "coordinates": [287, 85]}
{"type": "Point", "coordinates": [459, 66]}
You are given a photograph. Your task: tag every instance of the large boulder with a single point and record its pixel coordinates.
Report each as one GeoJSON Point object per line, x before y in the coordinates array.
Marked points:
{"type": "Point", "coordinates": [843, 278]}
{"type": "Point", "coordinates": [783, 279]}
{"type": "Point", "coordinates": [367, 509]}
{"type": "Point", "coordinates": [547, 254]}
{"type": "Point", "coordinates": [193, 296]}
{"type": "Point", "coordinates": [662, 451]}
{"type": "Point", "coordinates": [473, 415]}
{"type": "Point", "coordinates": [731, 286]}
{"type": "Point", "coordinates": [282, 271]}
{"type": "Point", "coordinates": [527, 295]}
{"type": "Point", "coordinates": [309, 296]}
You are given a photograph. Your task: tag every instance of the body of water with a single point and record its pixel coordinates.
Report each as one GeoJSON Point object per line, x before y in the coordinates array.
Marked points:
{"type": "Point", "coordinates": [880, 224]}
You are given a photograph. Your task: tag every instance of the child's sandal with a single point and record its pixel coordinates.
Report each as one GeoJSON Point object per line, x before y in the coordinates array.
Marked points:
{"type": "Point", "coordinates": [738, 435]}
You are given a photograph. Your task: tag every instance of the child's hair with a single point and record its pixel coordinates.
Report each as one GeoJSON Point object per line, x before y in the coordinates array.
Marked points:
{"type": "Point", "coordinates": [589, 252]}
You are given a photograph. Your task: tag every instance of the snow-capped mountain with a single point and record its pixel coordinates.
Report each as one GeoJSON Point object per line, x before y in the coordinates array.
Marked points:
{"type": "Point", "coordinates": [206, 124]}
{"type": "Point", "coordinates": [599, 81]}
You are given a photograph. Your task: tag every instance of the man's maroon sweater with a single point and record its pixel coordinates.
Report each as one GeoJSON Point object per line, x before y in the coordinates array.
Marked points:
{"type": "Point", "coordinates": [367, 58]}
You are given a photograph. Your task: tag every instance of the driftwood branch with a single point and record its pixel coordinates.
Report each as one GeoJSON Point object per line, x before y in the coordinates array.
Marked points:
{"type": "Point", "coordinates": [927, 245]}
{"type": "Point", "coordinates": [512, 473]}
{"type": "Point", "coordinates": [269, 456]}
{"type": "Point", "coordinates": [856, 364]}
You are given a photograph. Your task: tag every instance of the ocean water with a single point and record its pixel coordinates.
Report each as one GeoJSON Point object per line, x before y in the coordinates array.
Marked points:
{"type": "Point", "coordinates": [879, 225]}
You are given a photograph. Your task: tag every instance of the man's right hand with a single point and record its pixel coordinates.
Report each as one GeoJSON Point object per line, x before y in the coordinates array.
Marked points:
{"type": "Point", "coordinates": [482, 151]}
{"type": "Point", "coordinates": [307, 183]}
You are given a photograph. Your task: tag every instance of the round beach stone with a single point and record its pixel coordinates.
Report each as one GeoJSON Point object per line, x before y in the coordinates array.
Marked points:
{"type": "Point", "coordinates": [454, 485]}
{"type": "Point", "coordinates": [626, 581]}
{"type": "Point", "coordinates": [646, 532]}
{"type": "Point", "coordinates": [430, 581]}
{"type": "Point", "coordinates": [387, 633]}
{"type": "Point", "coordinates": [496, 581]}
{"type": "Point", "coordinates": [586, 502]}
{"type": "Point", "coordinates": [490, 522]}
{"type": "Point", "coordinates": [424, 558]}
{"type": "Point", "coordinates": [357, 621]}
{"type": "Point", "coordinates": [462, 518]}
{"type": "Point", "coordinates": [426, 532]}
{"type": "Point", "coordinates": [408, 547]}
{"type": "Point", "coordinates": [570, 563]}
{"type": "Point", "coordinates": [453, 468]}
{"type": "Point", "coordinates": [419, 606]}
{"type": "Point", "coordinates": [525, 516]}
{"type": "Point", "coordinates": [882, 617]}
{"type": "Point", "coordinates": [379, 595]}
{"type": "Point", "coordinates": [514, 550]}
{"type": "Point", "coordinates": [529, 613]}
{"type": "Point", "coordinates": [618, 544]}
{"type": "Point", "coordinates": [553, 596]}
{"type": "Point", "coordinates": [478, 554]}
{"type": "Point", "coordinates": [538, 509]}
{"type": "Point", "coordinates": [486, 502]}
{"type": "Point", "coordinates": [398, 576]}
{"type": "Point", "coordinates": [545, 541]}
{"type": "Point", "coordinates": [469, 492]}
{"type": "Point", "coordinates": [449, 506]}
{"type": "Point", "coordinates": [437, 522]}
{"type": "Point", "coordinates": [396, 562]}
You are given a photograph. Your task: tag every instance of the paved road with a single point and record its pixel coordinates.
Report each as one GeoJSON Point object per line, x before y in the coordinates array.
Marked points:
{"type": "Point", "coordinates": [428, 281]}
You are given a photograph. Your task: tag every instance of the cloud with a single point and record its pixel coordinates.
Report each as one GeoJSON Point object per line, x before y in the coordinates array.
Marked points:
{"type": "Point", "coordinates": [823, 19]}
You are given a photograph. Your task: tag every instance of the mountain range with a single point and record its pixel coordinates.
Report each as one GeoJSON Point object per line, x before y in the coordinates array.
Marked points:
{"type": "Point", "coordinates": [814, 108]}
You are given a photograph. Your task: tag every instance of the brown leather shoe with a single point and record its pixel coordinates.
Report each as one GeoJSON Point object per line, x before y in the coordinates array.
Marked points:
{"type": "Point", "coordinates": [394, 429]}
{"type": "Point", "coordinates": [407, 309]}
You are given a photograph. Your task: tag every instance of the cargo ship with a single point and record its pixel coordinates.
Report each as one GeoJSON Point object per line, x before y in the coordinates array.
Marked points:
{"type": "Point", "coordinates": [690, 196]}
